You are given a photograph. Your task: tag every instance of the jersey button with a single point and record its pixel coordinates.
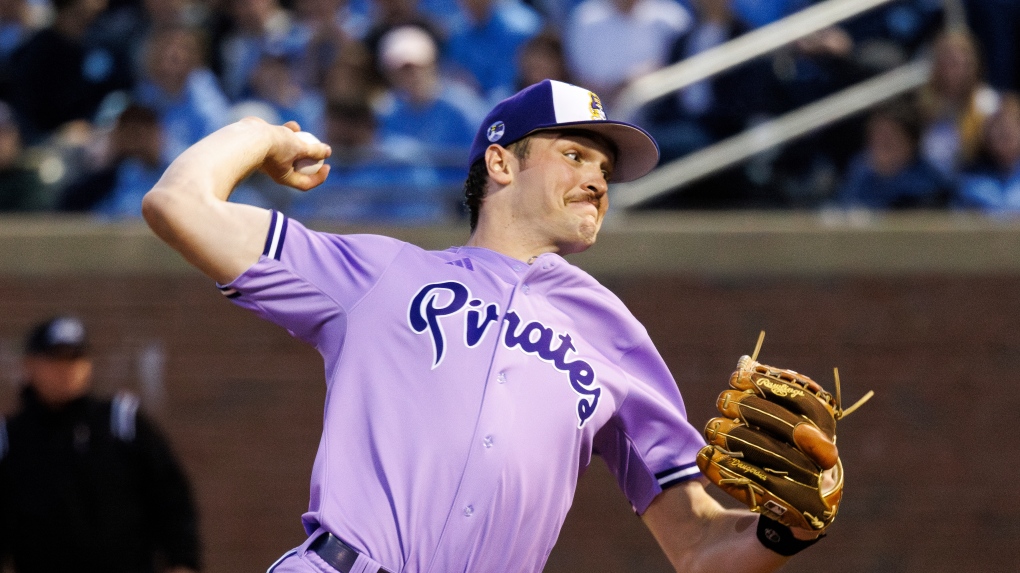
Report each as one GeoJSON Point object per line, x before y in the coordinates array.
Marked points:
{"type": "Point", "coordinates": [501, 378]}
{"type": "Point", "coordinates": [487, 442]}
{"type": "Point", "coordinates": [469, 510]}
{"type": "Point", "coordinates": [526, 289]}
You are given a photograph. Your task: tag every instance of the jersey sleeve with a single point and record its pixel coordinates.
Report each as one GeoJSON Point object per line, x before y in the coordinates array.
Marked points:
{"type": "Point", "coordinates": [307, 281]}
{"type": "Point", "coordinates": [649, 444]}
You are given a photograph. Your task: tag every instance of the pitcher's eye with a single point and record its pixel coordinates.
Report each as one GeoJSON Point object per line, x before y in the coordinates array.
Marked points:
{"type": "Point", "coordinates": [573, 155]}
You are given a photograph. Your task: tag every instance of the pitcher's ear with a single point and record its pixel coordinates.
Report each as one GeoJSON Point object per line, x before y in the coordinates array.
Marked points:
{"type": "Point", "coordinates": [498, 162]}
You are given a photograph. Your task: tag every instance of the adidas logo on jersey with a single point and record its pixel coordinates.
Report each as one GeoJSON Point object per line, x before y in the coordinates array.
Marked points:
{"type": "Point", "coordinates": [462, 263]}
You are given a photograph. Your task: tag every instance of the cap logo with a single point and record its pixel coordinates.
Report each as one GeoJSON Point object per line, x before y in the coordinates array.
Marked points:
{"type": "Point", "coordinates": [66, 331]}
{"type": "Point", "coordinates": [596, 107]}
{"type": "Point", "coordinates": [495, 131]}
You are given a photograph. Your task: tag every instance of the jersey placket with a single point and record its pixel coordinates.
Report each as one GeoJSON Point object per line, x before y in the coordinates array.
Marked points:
{"type": "Point", "coordinates": [479, 482]}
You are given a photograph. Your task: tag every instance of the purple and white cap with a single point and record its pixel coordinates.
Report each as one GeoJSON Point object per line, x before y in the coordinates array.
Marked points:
{"type": "Point", "coordinates": [550, 104]}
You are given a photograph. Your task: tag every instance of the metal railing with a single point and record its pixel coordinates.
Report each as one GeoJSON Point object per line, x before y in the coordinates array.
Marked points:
{"type": "Point", "coordinates": [764, 40]}
{"type": "Point", "coordinates": [770, 134]}
{"type": "Point", "coordinates": [735, 52]}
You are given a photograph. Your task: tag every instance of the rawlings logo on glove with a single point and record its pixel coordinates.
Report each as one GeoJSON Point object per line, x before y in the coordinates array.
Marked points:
{"type": "Point", "coordinates": [774, 449]}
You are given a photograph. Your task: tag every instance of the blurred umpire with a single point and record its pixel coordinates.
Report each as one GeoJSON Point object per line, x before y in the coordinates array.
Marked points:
{"type": "Point", "coordinates": [87, 485]}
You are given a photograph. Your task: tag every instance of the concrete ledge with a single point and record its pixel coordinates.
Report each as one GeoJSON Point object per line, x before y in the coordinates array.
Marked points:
{"type": "Point", "coordinates": [733, 244]}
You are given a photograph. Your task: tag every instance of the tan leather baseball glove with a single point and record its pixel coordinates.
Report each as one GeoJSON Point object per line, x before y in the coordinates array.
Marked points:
{"type": "Point", "coordinates": [774, 448]}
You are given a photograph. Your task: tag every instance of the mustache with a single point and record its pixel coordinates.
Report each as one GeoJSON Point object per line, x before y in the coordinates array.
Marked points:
{"type": "Point", "coordinates": [593, 198]}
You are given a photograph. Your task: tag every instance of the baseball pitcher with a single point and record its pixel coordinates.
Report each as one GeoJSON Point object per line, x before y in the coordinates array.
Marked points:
{"type": "Point", "coordinates": [469, 387]}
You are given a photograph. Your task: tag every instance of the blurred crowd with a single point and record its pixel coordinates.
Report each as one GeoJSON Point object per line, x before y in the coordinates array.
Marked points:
{"type": "Point", "coordinates": [98, 96]}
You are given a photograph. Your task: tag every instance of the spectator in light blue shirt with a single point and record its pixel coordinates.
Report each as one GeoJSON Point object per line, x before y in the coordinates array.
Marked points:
{"type": "Point", "coordinates": [136, 163]}
{"type": "Point", "coordinates": [609, 43]}
{"type": "Point", "coordinates": [184, 92]}
{"type": "Point", "coordinates": [996, 189]}
{"type": "Point", "coordinates": [375, 182]}
{"type": "Point", "coordinates": [275, 82]}
{"type": "Point", "coordinates": [486, 39]}
{"type": "Point", "coordinates": [258, 26]}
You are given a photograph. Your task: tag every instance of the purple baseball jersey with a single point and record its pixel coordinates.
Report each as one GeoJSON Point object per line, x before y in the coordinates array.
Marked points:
{"type": "Point", "coordinates": [466, 392]}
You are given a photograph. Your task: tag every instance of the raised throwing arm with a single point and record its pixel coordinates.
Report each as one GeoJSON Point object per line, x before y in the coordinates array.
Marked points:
{"type": "Point", "coordinates": [188, 207]}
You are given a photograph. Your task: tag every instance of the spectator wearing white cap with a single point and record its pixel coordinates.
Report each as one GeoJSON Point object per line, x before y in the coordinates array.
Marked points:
{"type": "Point", "coordinates": [421, 106]}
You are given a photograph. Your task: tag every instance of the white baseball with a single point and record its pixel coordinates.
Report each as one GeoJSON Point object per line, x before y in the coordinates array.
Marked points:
{"type": "Point", "coordinates": [307, 166]}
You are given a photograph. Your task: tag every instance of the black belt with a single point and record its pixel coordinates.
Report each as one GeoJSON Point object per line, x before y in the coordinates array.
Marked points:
{"type": "Point", "coordinates": [336, 553]}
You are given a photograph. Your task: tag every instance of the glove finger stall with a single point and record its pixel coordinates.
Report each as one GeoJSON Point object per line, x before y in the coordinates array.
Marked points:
{"type": "Point", "coordinates": [777, 497]}
{"type": "Point", "coordinates": [788, 389]}
{"type": "Point", "coordinates": [779, 422]}
{"type": "Point", "coordinates": [762, 451]}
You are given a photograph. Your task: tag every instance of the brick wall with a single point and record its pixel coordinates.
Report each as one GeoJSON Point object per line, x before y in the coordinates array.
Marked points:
{"type": "Point", "coordinates": [926, 459]}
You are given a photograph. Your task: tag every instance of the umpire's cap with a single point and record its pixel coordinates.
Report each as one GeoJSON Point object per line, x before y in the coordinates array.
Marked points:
{"type": "Point", "coordinates": [58, 337]}
{"type": "Point", "coordinates": [550, 105]}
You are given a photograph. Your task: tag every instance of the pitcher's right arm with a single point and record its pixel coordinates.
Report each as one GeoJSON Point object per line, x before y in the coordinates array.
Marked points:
{"type": "Point", "coordinates": [188, 207]}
